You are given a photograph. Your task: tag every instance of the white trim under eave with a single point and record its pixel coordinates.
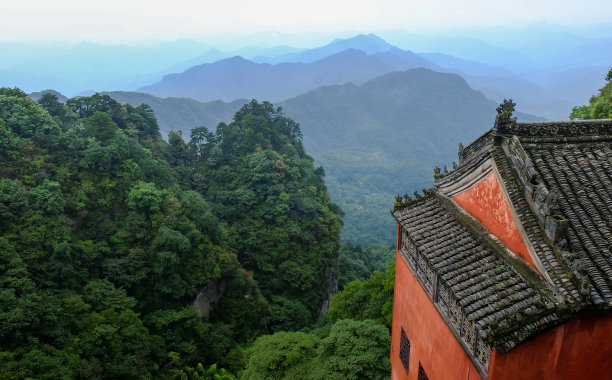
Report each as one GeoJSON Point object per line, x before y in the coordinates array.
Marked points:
{"type": "Point", "coordinates": [468, 180]}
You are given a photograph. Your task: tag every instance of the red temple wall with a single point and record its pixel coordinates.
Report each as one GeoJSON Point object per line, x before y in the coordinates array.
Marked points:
{"type": "Point", "coordinates": [431, 341]}
{"type": "Point", "coordinates": [578, 349]}
{"type": "Point", "coordinates": [485, 202]}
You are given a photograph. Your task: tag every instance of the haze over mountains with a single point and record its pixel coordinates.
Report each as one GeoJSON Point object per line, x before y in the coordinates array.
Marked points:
{"type": "Point", "coordinates": [372, 139]}
{"type": "Point", "coordinates": [236, 77]}
{"type": "Point", "coordinates": [364, 57]}
{"type": "Point", "coordinates": [525, 63]}
{"type": "Point", "coordinates": [376, 116]}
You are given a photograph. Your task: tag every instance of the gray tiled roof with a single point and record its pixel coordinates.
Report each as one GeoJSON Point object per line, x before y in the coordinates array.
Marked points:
{"type": "Point", "coordinates": [487, 286]}
{"type": "Point", "coordinates": [582, 176]}
{"type": "Point", "coordinates": [572, 161]}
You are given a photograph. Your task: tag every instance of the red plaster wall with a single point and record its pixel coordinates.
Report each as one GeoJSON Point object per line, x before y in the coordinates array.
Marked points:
{"type": "Point", "coordinates": [485, 202]}
{"type": "Point", "coordinates": [578, 349]}
{"type": "Point", "coordinates": [431, 341]}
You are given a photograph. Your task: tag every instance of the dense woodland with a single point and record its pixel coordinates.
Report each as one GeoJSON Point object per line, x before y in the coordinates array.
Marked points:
{"type": "Point", "coordinates": [109, 235]}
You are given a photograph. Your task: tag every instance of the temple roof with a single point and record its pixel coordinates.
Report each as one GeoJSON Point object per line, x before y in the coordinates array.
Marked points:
{"type": "Point", "coordinates": [491, 288]}
{"type": "Point", "coordinates": [557, 177]}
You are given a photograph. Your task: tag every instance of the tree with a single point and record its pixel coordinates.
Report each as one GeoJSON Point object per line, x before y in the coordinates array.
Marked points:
{"type": "Point", "coordinates": [47, 198]}
{"type": "Point", "coordinates": [6, 91]}
{"type": "Point", "coordinates": [370, 299]}
{"type": "Point", "coordinates": [101, 126]}
{"type": "Point", "coordinates": [284, 355]}
{"type": "Point", "coordinates": [145, 197]}
{"type": "Point", "coordinates": [51, 104]}
{"type": "Point", "coordinates": [28, 120]}
{"type": "Point", "coordinates": [280, 220]}
{"type": "Point", "coordinates": [86, 106]}
{"type": "Point", "coordinates": [13, 201]}
{"type": "Point", "coordinates": [353, 350]}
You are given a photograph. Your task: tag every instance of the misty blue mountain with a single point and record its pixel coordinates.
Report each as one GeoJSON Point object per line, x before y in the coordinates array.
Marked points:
{"type": "Point", "coordinates": [236, 77]}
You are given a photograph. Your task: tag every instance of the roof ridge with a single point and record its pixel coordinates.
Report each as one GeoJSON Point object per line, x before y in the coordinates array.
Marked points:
{"type": "Point", "coordinates": [539, 132]}
{"type": "Point", "coordinates": [406, 201]}
{"type": "Point", "coordinates": [560, 131]}
{"type": "Point", "coordinates": [541, 199]}
{"type": "Point", "coordinates": [470, 157]}
{"type": "Point", "coordinates": [506, 125]}
{"type": "Point", "coordinates": [547, 254]}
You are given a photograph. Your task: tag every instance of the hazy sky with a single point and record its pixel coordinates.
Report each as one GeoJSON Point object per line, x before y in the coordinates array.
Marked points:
{"type": "Point", "coordinates": [133, 20]}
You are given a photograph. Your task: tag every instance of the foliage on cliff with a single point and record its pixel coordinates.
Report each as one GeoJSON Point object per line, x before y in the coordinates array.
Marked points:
{"type": "Point", "coordinates": [280, 220]}
{"type": "Point", "coordinates": [353, 343]}
{"type": "Point", "coordinates": [108, 234]}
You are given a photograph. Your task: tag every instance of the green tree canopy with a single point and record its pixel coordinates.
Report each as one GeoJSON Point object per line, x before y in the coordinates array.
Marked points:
{"type": "Point", "coordinates": [280, 220]}
{"type": "Point", "coordinates": [284, 355]}
{"type": "Point", "coordinates": [370, 299]}
{"type": "Point", "coordinates": [353, 350]}
{"type": "Point", "coordinates": [101, 126]}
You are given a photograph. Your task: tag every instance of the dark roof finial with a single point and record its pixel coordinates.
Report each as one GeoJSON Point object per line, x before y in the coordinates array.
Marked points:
{"type": "Point", "coordinates": [504, 120]}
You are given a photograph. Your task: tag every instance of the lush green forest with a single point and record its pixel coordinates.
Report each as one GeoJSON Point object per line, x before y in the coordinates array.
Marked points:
{"type": "Point", "coordinates": [213, 255]}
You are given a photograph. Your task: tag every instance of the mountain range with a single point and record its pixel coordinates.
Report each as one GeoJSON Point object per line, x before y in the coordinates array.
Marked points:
{"type": "Point", "coordinates": [364, 57]}
{"type": "Point", "coordinates": [236, 77]}
{"type": "Point", "coordinates": [386, 136]}
{"type": "Point", "coordinates": [546, 68]}
{"type": "Point", "coordinates": [373, 140]}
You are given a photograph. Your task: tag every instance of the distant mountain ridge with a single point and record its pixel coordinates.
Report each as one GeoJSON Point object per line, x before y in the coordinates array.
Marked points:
{"type": "Point", "coordinates": [551, 67]}
{"type": "Point", "coordinates": [385, 136]}
{"type": "Point", "coordinates": [181, 114]}
{"type": "Point", "coordinates": [369, 44]}
{"type": "Point", "coordinates": [546, 68]}
{"type": "Point", "coordinates": [236, 77]}
{"type": "Point", "coordinates": [37, 95]}
{"type": "Point", "coordinates": [367, 56]}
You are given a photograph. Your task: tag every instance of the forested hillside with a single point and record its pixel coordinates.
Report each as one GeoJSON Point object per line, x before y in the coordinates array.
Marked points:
{"type": "Point", "coordinates": [123, 256]}
{"type": "Point", "coordinates": [181, 114]}
{"type": "Point", "coordinates": [386, 136]}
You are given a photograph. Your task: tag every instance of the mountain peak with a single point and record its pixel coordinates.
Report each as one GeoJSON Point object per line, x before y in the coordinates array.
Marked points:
{"type": "Point", "coordinates": [235, 58]}
{"type": "Point", "coordinates": [369, 43]}
{"type": "Point", "coordinates": [363, 37]}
